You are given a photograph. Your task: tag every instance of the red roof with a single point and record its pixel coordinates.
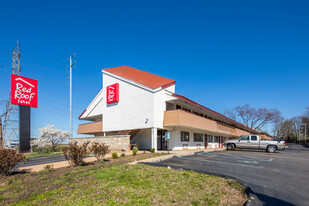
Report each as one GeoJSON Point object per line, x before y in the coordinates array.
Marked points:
{"type": "Point", "coordinates": [147, 79]}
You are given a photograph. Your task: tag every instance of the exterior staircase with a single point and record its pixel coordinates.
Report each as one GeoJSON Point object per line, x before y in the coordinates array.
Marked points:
{"type": "Point", "coordinates": [132, 133]}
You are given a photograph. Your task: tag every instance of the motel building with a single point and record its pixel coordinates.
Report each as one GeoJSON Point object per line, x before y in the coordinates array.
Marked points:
{"type": "Point", "coordinates": [145, 106]}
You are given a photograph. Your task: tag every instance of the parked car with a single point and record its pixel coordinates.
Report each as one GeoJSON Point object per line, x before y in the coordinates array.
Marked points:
{"type": "Point", "coordinates": [254, 142]}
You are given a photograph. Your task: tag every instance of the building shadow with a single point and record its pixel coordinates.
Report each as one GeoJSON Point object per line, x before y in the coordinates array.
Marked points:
{"type": "Point", "coordinates": [271, 201]}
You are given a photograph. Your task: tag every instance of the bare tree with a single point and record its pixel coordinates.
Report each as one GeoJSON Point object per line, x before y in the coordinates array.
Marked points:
{"type": "Point", "coordinates": [253, 118]}
{"type": "Point", "coordinates": [231, 113]}
{"type": "Point", "coordinates": [277, 127]}
{"type": "Point", "coordinates": [282, 128]}
{"type": "Point", "coordinates": [296, 124]}
{"type": "Point", "coordinates": [307, 113]}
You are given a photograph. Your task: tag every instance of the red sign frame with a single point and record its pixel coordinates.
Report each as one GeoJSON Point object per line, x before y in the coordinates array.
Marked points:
{"type": "Point", "coordinates": [24, 91]}
{"type": "Point", "coordinates": [112, 93]}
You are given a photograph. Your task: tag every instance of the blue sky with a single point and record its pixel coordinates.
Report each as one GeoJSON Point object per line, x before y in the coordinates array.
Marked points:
{"type": "Point", "coordinates": [221, 53]}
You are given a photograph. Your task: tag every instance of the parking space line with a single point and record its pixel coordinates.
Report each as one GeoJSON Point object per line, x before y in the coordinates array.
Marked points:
{"type": "Point", "coordinates": [220, 162]}
{"type": "Point", "coordinates": [248, 162]}
{"type": "Point", "coordinates": [206, 153]}
{"type": "Point", "coordinates": [237, 156]}
{"type": "Point", "coordinates": [245, 157]}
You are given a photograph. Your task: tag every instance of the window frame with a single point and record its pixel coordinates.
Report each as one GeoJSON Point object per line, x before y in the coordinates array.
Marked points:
{"type": "Point", "coordinates": [201, 137]}
{"type": "Point", "coordinates": [182, 136]}
{"type": "Point", "coordinates": [210, 137]}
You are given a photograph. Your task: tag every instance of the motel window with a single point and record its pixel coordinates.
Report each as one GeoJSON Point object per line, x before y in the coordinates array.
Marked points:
{"type": "Point", "coordinates": [169, 106]}
{"type": "Point", "coordinates": [209, 138]}
{"type": "Point", "coordinates": [185, 136]}
{"type": "Point", "coordinates": [186, 110]}
{"type": "Point", "coordinates": [198, 137]}
{"type": "Point", "coordinates": [196, 113]}
{"type": "Point", "coordinates": [201, 115]}
{"type": "Point", "coordinates": [216, 139]}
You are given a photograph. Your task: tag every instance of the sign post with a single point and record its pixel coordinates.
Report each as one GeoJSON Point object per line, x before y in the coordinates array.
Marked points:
{"type": "Point", "coordinates": [168, 139]}
{"type": "Point", "coordinates": [24, 92]}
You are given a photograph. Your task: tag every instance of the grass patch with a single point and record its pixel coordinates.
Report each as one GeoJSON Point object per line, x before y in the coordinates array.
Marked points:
{"type": "Point", "coordinates": [116, 183]}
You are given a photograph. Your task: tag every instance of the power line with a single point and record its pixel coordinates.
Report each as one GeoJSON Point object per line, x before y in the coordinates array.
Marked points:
{"type": "Point", "coordinates": [80, 89]}
{"type": "Point", "coordinates": [58, 113]}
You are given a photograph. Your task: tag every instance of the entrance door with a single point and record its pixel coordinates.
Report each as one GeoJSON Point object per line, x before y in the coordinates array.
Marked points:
{"type": "Point", "coordinates": [205, 141]}
{"type": "Point", "coordinates": [162, 139]}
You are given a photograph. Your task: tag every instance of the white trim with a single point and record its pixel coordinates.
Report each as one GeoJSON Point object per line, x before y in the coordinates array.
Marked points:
{"type": "Point", "coordinates": [86, 113]}
{"type": "Point", "coordinates": [23, 81]}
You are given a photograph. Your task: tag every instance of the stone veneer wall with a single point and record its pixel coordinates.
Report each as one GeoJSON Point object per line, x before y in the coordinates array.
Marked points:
{"type": "Point", "coordinates": [115, 142]}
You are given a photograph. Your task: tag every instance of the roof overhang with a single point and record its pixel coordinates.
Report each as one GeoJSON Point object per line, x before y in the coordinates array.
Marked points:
{"type": "Point", "coordinates": [214, 113]}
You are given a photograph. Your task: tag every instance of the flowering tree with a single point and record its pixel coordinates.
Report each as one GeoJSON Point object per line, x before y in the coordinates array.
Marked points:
{"type": "Point", "coordinates": [50, 136]}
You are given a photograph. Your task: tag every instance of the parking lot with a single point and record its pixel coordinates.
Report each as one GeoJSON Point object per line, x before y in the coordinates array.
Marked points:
{"type": "Point", "coordinates": [280, 178]}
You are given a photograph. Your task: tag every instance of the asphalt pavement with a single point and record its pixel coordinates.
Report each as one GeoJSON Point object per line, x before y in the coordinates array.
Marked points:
{"type": "Point", "coordinates": [280, 178]}
{"type": "Point", "coordinates": [41, 160]}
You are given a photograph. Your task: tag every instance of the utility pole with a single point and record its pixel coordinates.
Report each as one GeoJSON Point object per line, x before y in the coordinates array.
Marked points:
{"type": "Point", "coordinates": [1, 137]}
{"type": "Point", "coordinates": [305, 132]}
{"type": "Point", "coordinates": [71, 100]}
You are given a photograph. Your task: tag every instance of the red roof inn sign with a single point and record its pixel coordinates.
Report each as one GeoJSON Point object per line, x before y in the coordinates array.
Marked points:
{"type": "Point", "coordinates": [112, 93]}
{"type": "Point", "coordinates": [24, 91]}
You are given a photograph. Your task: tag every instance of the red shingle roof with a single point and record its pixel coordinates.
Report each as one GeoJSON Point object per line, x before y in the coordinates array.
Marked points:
{"type": "Point", "coordinates": [147, 79]}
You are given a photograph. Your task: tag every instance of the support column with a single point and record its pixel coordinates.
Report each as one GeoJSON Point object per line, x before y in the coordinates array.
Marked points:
{"type": "Point", "coordinates": [154, 138]}
{"type": "Point", "coordinates": [24, 128]}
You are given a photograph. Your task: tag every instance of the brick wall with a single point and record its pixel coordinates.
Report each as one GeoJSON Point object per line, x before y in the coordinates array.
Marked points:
{"type": "Point", "coordinates": [115, 142]}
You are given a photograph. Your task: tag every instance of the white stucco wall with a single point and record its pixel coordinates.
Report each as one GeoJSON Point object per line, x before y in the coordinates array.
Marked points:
{"type": "Point", "coordinates": [175, 143]}
{"type": "Point", "coordinates": [171, 88]}
{"type": "Point", "coordinates": [138, 107]}
{"type": "Point", "coordinates": [135, 106]}
{"type": "Point", "coordinates": [159, 108]}
{"type": "Point", "coordinates": [143, 139]}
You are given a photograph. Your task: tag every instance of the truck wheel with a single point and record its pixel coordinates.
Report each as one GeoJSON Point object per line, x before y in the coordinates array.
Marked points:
{"type": "Point", "coordinates": [230, 147]}
{"type": "Point", "coordinates": [271, 149]}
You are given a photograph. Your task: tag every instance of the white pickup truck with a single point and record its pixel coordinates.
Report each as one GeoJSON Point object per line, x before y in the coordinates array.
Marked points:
{"type": "Point", "coordinates": [254, 142]}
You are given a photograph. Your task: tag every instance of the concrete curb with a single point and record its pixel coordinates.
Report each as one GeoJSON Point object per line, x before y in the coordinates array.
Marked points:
{"type": "Point", "coordinates": [253, 198]}
{"type": "Point", "coordinates": [159, 159]}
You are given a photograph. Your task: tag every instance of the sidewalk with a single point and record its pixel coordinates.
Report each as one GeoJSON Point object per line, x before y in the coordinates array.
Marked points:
{"type": "Point", "coordinates": [60, 164]}
{"type": "Point", "coordinates": [176, 154]}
